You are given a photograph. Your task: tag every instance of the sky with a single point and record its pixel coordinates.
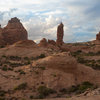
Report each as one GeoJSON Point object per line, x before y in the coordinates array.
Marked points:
{"type": "Point", "coordinates": [81, 18]}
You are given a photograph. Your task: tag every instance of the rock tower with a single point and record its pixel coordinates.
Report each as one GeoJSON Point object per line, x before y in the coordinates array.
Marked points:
{"type": "Point", "coordinates": [60, 34]}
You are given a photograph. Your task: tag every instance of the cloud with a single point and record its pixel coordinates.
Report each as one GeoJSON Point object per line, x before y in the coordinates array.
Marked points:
{"type": "Point", "coordinates": [41, 17]}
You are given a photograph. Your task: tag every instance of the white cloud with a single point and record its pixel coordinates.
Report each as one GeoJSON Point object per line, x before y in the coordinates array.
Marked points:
{"type": "Point", "coordinates": [41, 17]}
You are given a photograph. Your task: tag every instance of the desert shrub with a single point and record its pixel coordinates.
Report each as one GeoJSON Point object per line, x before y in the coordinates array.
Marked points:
{"type": "Point", "coordinates": [54, 74]}
{"type": "Point", "coordinates": [63, 90]}
{"type": "Point", "coordinates": [96, 67]}
{"type": "Point", "coordinates": [98, 53]}
{"type": "Point", "coordinates": [26, 58]}
{"type": "Point", "coordinates": [75, 54]}
{"type": "Point", "coordinates": [43, 68]}
{"type": "Point", "coordinates": [4, 68]}
{"type": "Point", "coordinates": [36, 72]}
{"type": "Point", "coordinates": [15, 64]}
{"type": "Point", "coordinates": [31, 97]}
{"type": "Point", "coordinates": [2, 46]}
{"type": "Point", "coordinates": [21, 72]}
{"type": "Point", "coordinates": [81, 87]}
{"type": "Point", "coordinates": [4, 56]}
{"type": "Point", "coordinates": [2, 98]}
{"type": "Point", "coordinates": [41, 56]}
{"type": "Point", "coordinates": [28, 62]}
{"type": "Point", "coordinates": [2, 93]}
{"type": "Point", "coordinates": [81, 60]}
{"type": "Point", "coordinates": [11, 69]}
{"type": "Point", "coordinates": [21, 86]}
{"type": "Point", "coordinates": [14, 58]}
{"type": "Point", "coordinates": [44, 91]}
{"type": "Point", "coordinates": [90, 54]}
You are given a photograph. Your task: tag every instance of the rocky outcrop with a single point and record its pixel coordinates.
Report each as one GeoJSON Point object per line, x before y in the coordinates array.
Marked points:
{"type": "Point", "coordinates": [25, 43]}
{"type": "Point", "coordinates": [60, 34]}
{"type": "Point", "coordinates": [13, 32]}
{"type": "Point", "coordinates": [52, 42]}
{"type": "Point", "coordinates": [98, 36]}
{"type": "Point", "coordinates": [43, 42]}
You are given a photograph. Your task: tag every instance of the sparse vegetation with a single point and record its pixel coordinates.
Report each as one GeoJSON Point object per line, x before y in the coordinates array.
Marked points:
{"type": "Point", "coordinates": [21, 86]}
{"type": "Point", "coordinates": [78, 89]}
{"type": "Point", "coordinates": [39, 57]}
{"type": "Point", "coordinates": [21, 72]}
{"type": "Point", "coordinates": [79, 55]}
{"type": "Point", "coordinates": [44, 91]}
{"type": "Point", "coordinates": [43, 68]}
{"type": "Point", "coordinates": [81, 87]}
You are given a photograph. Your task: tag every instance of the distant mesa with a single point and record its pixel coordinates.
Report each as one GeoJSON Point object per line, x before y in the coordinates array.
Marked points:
{"type": "Point", "coordinates": [13, 32]}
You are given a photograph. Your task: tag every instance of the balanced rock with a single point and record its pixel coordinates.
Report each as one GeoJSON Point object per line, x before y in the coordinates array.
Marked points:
{"type": "Point", "coordinates": [60, 34]}
{"type": "Point", "coordinates": [13, 32]}
{"type": "Point", "coordinates": [98, 36]}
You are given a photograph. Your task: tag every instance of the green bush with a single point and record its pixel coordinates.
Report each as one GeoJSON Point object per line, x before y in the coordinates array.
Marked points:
{"type": "Point", "coordinates": [63, 90]}
{"type": "Point", "coordinates": [21, 72]}
{"type": "Point", "coordinates": [4, 68]}
{"type": "Point", "coordinates": [41, 56]}
{"type": "Point", "coordinates": [43, 68]}
{"type": "Point", "coordinates": [14, 58]}
{"type": "Point", "coordinates": [21, 86]}
{"type": "Point", "coordinates": [81, 87]}
{"type": "Point", "coordinates": [44, 91]}
{"type": "Point", "coordinates": [2, 93]}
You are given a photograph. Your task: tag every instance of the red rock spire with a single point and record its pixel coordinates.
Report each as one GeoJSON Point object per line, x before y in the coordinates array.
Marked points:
{"type": "Point", "coordinates": [60, 34]}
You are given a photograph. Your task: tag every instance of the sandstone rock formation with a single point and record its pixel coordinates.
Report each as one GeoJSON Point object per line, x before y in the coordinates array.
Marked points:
{"type": "Point", "coordinates": [25, 43]}
{"type": "Point", "coordinates": [13, 32]}
{"type": "Point", "coordinates": [60, 34]}
{"type": "Point", "coordinates": [51, 42]}
{"type": "Point", "coordinates": [98, 36]}
{"type": "Point", "coordinates": [43, 42]}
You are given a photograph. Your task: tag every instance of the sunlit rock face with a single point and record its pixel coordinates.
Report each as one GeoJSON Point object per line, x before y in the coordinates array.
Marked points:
{"type": "Point", "coordinates": [43, 42]}
{"type": "Point", "coordinates": [13, 32]}
{"type": "Point", "coordinates": [60, 34]}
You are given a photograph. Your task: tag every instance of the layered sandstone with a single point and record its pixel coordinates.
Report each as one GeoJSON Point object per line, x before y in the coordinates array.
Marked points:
{"type": "Point", "coordinates": [13, 32]}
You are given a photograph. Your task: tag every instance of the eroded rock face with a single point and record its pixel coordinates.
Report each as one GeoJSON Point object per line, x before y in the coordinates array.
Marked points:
{"type": "Point", "coordinates": [13, 32]}
{"type": "Point", "coordinates": [51, 42]}
{"type": "Point", "coordinates": [43, 42]}
{"type": "Point", "coordinates": [60, 34]}
{"type": "Point", "coordinates": [98, 36]}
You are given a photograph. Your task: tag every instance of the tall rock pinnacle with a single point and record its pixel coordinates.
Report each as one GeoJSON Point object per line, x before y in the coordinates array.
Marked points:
{"type": "Point", "coordinates": [60, 34]}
